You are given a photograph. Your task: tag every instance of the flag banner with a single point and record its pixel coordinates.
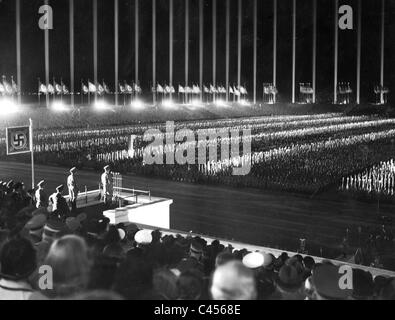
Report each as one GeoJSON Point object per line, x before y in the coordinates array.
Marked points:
{"type": "Point", "coordinates": [243, 91]}
{"type": "Point", "coordinates": [50, 89]}
{"type": "Point", "coordinates": [160, 89]}
{"type": "Point", "coordinates": [85, 89]}
{"type": "Point", "coordinates": [15, 89]}
{"type": "Point", "coordinates": [181, 89]}
{"type": "Point", "coordinates": [92, 87]}
{"type": "Point", "coordinates": [129, 88]}
{"type": "Point", "coordinates": [106, 88]}
{"type": "Point", "coordinates": [100, 89]}
{"type": "Point", "coordinates": [58, 88]}
{"type": "Point", "coordinates": [7, 87]}
{"type": "Point", "coordinates": [64, 89]}
{"type": "Point", "coordinates": [18, 140]}
{"type": "Point", "coordinates": [43, 89]}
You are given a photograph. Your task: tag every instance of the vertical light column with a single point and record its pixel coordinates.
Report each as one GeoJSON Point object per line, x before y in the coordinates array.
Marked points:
{"type": "Point", "coordinates": [239, 28]}
{"type": "Point", "coordinates": [116, 46]}
{"type": "Point", "coordinates": [154, 49]}
{"type": "Point", "coordinates": [255, 22]}
{"type": "Point", "coordinates": [171, 6]}
{"type": "Point", "coordinates": [359, 31]}
{"type": "Point", "coordinates": [336, 52]}
{"type": "Point", "coordinates": [46, 40]}
{"type": "Point", "coordinates": [186, 43]}
{"type": "Point", "coordinates": [18, 49]}
{"type": "Point", "coordinates": [214, 42]}
{"type": "Point", "coordinates": [201, 46]}
{"type": "Point", "coordinates": [294, 51]}
{"type": "Point", "coordinates": [71, 46]}
{"type": "Point", "coordinates": [136, 41]}
{"type": "Point", "coordinates": [95, 45]}
{"type": "Point", "coordinates": [275, 47]}
{"type": "Point", "coordinates": [314, 67]}
{"type": "Point", "coordinates": [382, 48]}
{"type": "Point", "coordinates": [227, 47]}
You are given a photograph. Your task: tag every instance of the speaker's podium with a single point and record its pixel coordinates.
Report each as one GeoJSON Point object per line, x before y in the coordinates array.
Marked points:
{"type": "Point", "coordinates": [140, 208]}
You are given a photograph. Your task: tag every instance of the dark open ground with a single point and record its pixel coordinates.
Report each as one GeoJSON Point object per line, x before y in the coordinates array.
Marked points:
{"type": "Point", "coordinates": [251, 216]}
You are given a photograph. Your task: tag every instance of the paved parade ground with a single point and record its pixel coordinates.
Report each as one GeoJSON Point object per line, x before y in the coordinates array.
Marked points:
{"type": "Point", "coordinates": [251, 216]}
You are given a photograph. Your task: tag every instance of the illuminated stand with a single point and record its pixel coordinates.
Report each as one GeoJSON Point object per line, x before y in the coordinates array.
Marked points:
{"type": "Point", "coordinates": [138, 207]}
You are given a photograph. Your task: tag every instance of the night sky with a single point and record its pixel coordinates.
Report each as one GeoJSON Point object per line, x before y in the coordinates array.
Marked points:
{"type": "Point", "coordinates": [33, 43]}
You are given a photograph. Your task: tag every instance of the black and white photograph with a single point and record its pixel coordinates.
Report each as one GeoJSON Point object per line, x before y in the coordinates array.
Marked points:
{"type": "Point", "coordinates": [196, 153]}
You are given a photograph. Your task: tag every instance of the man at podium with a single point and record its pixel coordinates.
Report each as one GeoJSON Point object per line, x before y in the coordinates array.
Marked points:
{"type": "Point", "coordinates": [107, 184]}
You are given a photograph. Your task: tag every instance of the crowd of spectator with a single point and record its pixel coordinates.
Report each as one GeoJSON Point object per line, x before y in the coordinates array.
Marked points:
{"type": "Point", "coordinates": [91, 259]}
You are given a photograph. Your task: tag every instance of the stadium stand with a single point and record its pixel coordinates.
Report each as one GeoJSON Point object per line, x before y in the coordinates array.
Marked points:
{"type": "Point", "coordinates": [123, 262]}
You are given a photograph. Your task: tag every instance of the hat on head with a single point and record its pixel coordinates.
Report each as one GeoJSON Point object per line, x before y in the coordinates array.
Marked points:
{"type": "Point", "coordinates": [326, 279]}
{"type": "Point", "coordinates": [253, 260]}
{"type": "Point", "coordinates": [73, 224]}
{"type": "Point", "coordinates": [41, 183]}
{"type": "Point", "coordinates": [82, 217]}
{"type": "Point", "coordinates": [60, 188]}
{"type": "Point", "coordinates": [73, 169]}
{"type": "Point", "coordinates": [10, 184]}
{"type": "Point", "coordinates": [196, 247]}
{"type": "Point", "coordinates": [36, 223]}
{"type": "Point", "coordinates": [143, 237]}
{"type": "Point", "coordinates": [288, 278]}
{"type": "Point", "coordinates": [53, 227]}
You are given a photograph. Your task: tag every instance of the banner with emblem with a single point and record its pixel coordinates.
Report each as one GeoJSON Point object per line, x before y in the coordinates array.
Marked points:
{"type": "Point", "coordinates": [18, 140]}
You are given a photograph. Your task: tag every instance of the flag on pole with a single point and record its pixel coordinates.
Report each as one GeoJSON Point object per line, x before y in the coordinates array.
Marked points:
{"type": "Point", "coordinates": [15, 89]}
{"type": "Point", "coordinates": [181, 89]}
{"type": "Point", "coordinates": [129, 88]}
{"type": "Point", "coordinates": [50, 89]}
{"type": "Point", "coordinates": [122, 88]}
{"type": "Point", "coordinates": [160, 89]}
{"type": "Point", "coordinates": [7, 87]}
{"type": "Point", "coordinates": [42, 88]}
{"type": "Point", "coordinates": [85, 89]}
{"type": "Point", "coordinates": [92, 87]}
{"type": "Point", "coordinates": [100, 89]}
{"type": "Point", "coordinates": [231, 90]}
{"type": "Point", "coordinates": [65, 90]}
{"type": "Point", "coordinates": [206, 90]}
{"type": "Point", "coordinates": [58, 88]}
{"type": "Point", "coordinates": [106, 88]}
{"type": "Point", "coordinates": [18, 140]}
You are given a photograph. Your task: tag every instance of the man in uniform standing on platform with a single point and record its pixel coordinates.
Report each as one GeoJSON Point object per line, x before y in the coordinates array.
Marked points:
{"type": "Point", "coordinates": [73, 189]}
{"type": "Point", "coordinates": [106, 181]}
{"type": "Point", "coordinates": [41, 196]}
{"type": "Point", "coordinates": [59, 205]}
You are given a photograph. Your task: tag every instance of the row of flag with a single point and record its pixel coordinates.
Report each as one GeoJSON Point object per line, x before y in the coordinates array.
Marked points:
{"type": "Point", "coordinates": [8, 88]}
{"type": "Point", "coordinates": [195, 89]}
{"type": "Point", "coordinates": [53, 89]}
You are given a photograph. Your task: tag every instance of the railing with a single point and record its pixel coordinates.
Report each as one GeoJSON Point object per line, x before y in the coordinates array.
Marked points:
{"type": "Point", "coordinates": [134, 193]}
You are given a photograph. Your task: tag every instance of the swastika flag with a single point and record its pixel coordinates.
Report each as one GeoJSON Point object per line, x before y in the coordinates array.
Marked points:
{"type": "Point", "coordinates": [18, 140]}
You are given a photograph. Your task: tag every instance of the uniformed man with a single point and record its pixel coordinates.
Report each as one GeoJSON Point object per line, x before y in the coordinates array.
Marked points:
{"type": "Point", "coordinates": [41, 196]}
{"type": "Point", "coordinates": [106, 181]}
{"type": "Point", "coordinates": [59, 204]}
{"type": "Point", "coordinates": [73, 189]}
